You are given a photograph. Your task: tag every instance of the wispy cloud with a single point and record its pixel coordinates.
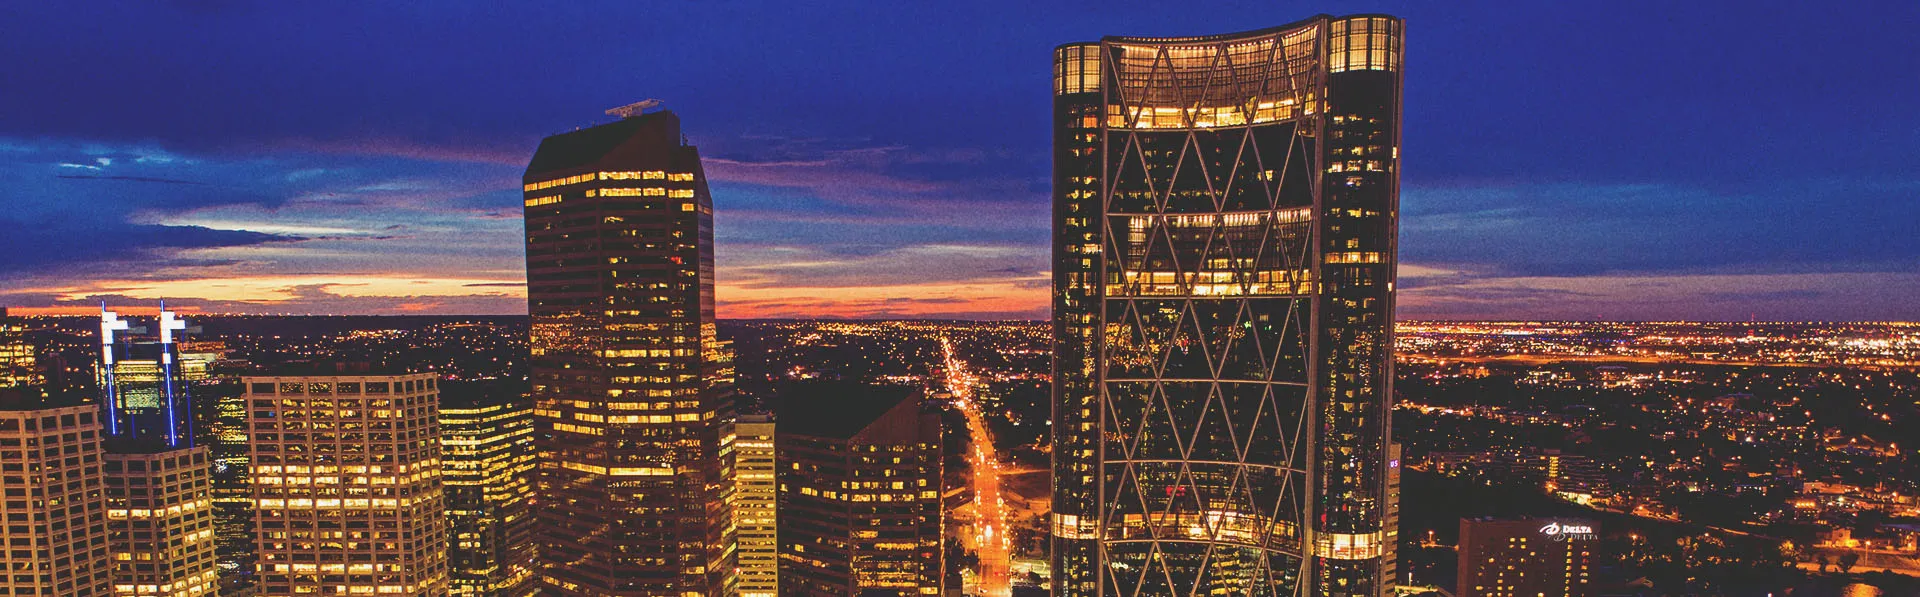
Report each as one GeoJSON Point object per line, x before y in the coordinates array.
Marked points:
{"type": "Point", "coordinates": [246, 233]}
{"type": "Point", "coordinates": [408, 150]}
{"type": "Point", "coordinates": [129, 178]}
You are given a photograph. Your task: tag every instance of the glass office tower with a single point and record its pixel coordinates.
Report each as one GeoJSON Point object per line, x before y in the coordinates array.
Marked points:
{"type": "Point", "coordinates": [1224, 243]}
{"type": "Point", "coordinates": [632, 388]}
{"type": "Point", "coordinates": [18, 364]}
{"type": "Point", "coordinates": [486, 452]}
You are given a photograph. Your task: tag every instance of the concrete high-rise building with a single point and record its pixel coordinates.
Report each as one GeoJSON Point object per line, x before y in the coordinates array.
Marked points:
{"type": "Point", "coordinates": [1223, 264]}
{"type": "Point", "coordinates": [859, 495]}
{"type": "Point", "coordinates": [160, 526]}
{"type": "Point", "coordinates": [56, 532]}
{"type": "Point", "coordinates": [346, 482]}
{"type": "Point", "coordinates": [755, 503]}
{"type": "Point", "coordinates": [1526, 557]}
{"type": "Point", "coordinates": [159, 487]}
{"type": "Point", "coordinates": [486, 439]}
{"type": "Point", "coordinates": [632, 387]}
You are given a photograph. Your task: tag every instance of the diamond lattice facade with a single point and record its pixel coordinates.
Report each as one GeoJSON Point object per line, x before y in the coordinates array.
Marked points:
{"type": "Point", "coordinates": [1225, 213]}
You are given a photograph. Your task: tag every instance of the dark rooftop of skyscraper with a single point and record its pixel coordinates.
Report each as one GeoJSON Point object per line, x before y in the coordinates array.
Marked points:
{"type": "Point", "coordinates": [486, 392]}
{"type": "Point", "coordinates": [836, 409]}
{"type": "Point", "coordinates": [637, 135]}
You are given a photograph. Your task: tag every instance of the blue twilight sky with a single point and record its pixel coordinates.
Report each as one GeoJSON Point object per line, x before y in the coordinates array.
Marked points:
{"type": "Point", "coordinates": [1595, 160]}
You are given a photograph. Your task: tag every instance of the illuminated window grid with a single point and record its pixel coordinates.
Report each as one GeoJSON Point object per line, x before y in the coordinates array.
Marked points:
{"type": "Point", "coordinates": [1513, 558]}
{"type": "Point", "coordinates": [756, 506]}
{"type": "Point", "coordinates": [232, 500]}
{"type": "Point", "coordinates": [64, 534]}
{"type": "Point", "coordinates": [488, 463]}
{"type": "Point", "coordinates": [160, 523]}
{"type": "Point", "coordinates": [657, 184]}
{"type": "Point", "coordinates": [346, 484]}
{"type": "Point", "coordinates": [862, 516]}
{"type": "Point", "coordinates": [17, 363]}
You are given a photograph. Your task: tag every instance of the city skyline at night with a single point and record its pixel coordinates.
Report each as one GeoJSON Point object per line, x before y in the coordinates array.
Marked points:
{"type": "Point", "coordinates": [995, 299]}
{"type": "Point", "coordinates": [1734, 457]}
{"type": "Point", "coordinates": [1576, 162]}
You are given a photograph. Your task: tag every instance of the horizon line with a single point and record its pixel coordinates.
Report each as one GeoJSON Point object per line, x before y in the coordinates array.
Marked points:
{"type": "Point", "coordinates": [64, 312]}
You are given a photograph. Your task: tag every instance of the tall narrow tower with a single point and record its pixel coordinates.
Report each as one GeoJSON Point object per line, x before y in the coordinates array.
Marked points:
{"type": "Point", "coordinates": [632, 388]}
{"type": "Point", "coordinates": [160, 516]}
{"type": "Point", "coordinates": [486, 454]}
{"type": "Point", "coordinates": [1224, 245]}
{"type": "Point", "coordinates": [756, 506]}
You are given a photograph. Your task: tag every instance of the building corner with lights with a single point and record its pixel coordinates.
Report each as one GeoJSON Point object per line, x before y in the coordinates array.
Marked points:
{"type": "Point", "coordinates": [19, 365]}
{"type": "Point", "coordinates": [346, 483]}
{"type": "Point", "coordinates": [67, 534]}
{"type": "Point", "coordinates": [1225, 230]}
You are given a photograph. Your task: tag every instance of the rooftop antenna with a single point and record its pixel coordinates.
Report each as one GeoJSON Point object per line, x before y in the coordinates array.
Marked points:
{"type": "Point", "coordinates": [634, 109]}
{"type": "Point", "coordinates": [110, 322]}
{"type": "Point", "coordinates": [169, 323]}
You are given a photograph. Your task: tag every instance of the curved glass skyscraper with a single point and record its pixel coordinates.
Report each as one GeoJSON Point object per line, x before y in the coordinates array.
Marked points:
{"type": "Point", "coordinates": [1224, 246]}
